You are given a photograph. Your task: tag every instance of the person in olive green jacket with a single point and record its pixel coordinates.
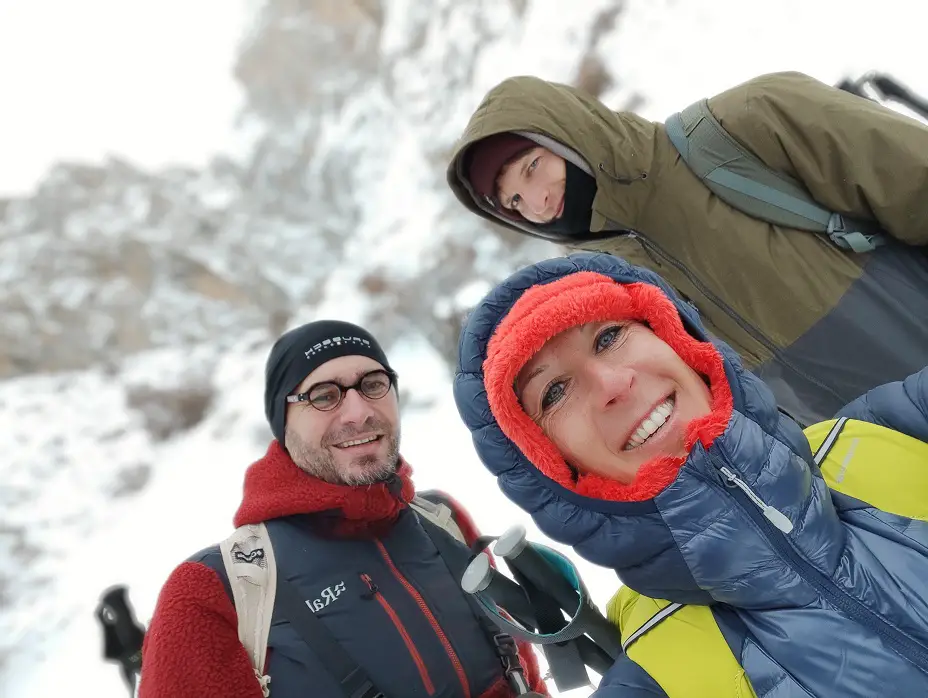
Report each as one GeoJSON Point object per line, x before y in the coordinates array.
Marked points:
{"type": "Point", "coordinates": [819, 324]}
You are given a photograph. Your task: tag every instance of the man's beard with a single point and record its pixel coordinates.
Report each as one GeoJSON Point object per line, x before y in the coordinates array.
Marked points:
{"type": "Point", "coordinates": [365, 470]}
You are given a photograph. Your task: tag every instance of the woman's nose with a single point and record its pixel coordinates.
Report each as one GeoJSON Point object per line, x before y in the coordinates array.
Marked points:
{"type": "Point", "coordinates": [612, 383]}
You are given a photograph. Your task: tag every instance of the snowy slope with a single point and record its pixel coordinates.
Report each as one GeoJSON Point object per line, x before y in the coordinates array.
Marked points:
{"type": "Point", "coordinates": [93, 469]}
{"type": "Point", "coordinates": [194, 489]}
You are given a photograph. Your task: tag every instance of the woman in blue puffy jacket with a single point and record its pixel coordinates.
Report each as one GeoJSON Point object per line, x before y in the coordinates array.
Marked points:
{"type": "Point", "coordinates": [603, 408]}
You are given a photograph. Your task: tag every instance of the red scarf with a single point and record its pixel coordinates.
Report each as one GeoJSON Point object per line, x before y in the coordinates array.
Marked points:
{"type": "Point", "coordinates": [275, 487]}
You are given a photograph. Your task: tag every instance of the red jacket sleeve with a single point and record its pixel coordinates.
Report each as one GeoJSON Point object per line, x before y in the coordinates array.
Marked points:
{"type": "Point", "coordinates": [526, 651]}
{"type": "Point", "coordinates": [192, 648]}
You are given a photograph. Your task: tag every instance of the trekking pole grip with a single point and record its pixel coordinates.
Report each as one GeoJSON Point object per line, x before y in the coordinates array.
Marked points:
{"type": "Point", "coordinates": [481, 578]}
{"type": "Point", "coordinates": [518, 552]}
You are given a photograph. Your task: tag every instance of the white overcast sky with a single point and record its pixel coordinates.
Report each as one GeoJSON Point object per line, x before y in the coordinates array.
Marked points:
{"type": "Point", "coordinates": [151, 79]}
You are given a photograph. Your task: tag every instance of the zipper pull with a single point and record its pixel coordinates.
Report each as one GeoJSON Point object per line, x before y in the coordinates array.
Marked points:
{"type": "Point", "coordinates": [773, 515]}
{"type": "Point", "coordinates": [366, 578]}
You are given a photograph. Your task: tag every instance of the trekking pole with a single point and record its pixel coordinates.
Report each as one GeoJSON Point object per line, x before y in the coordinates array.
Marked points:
{"type": "Point", "coordinates": [539, 569]}
{"type": "Point", "coordinates": [481, 578]}
{"type": "Point", "coordinates": [882, 87]}
{"type": "Point", "coordinates": [891, 88]}
{"type": "Point", "coordinates": [122, 634]}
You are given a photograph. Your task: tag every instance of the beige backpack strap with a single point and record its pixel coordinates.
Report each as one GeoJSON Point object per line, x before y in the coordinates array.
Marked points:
{"type": "Point", "coordinates": [438, 514]}
{"type": "Point", "coordinates": [252, 570]}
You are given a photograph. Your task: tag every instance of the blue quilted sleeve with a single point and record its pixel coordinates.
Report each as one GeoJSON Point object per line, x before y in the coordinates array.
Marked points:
{"type": "Point", "coordinates": [626, 679]}
{"type": "Point", "coordinates": [902, 405]}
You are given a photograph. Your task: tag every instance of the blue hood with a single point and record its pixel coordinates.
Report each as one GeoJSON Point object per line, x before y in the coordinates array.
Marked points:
{"type": "Point", "coordinates": [650, 543]}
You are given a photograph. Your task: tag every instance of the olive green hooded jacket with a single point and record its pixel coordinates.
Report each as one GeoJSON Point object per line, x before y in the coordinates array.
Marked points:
{"type": "Point", "coordinates": [819, 324]}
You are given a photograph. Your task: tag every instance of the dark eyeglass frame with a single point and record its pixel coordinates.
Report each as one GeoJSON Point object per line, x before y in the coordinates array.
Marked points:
{"type": "Point", "coordinates": [391, 377]}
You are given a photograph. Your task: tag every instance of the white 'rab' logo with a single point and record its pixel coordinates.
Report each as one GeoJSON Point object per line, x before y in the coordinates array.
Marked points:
{"type": "Point", "coordinates": [328, 595]}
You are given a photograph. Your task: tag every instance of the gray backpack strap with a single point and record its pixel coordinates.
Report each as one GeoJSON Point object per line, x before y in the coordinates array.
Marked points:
{"type": "Point", "coordinates": [439, 514]}
{"type": "Point", "coordinates": [252, 571]}
{"type": "Point", "coordinates": [739, 178]}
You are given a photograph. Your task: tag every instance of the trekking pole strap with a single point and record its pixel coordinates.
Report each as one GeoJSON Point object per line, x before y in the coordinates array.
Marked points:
{"type": "Point", "coordinates": [553, 573]}
{"type": "Point", "coordinates": [575, 628]}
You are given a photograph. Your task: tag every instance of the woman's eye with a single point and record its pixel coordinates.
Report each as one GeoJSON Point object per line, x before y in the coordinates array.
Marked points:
{"type": "Point", "coordinates": [515, 201]}
{"type": "Point", "coordinates": [607, 337]}
{"type": "Point", "coordinates": [533, 165]}
{"type": "Point", "coordinates": [554, 393]}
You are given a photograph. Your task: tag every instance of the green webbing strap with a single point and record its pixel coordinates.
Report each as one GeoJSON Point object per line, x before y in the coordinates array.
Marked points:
{"type": "Point", "coordinates": [740, 179]}
{"type": "Point", "coordinates": [854, 240]}
{"type": "Point", "coordinates": [770, 196]}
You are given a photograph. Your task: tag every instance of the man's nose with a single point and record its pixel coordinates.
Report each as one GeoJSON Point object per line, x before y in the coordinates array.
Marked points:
{"type": "Point", "coordinates": [354, 408]}
{"type": "Point", "coordinates": [538, 200]}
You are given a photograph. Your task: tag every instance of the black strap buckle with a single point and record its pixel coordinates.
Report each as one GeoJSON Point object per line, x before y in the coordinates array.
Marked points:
{"type": "Point", "coordinates": [508, 652]}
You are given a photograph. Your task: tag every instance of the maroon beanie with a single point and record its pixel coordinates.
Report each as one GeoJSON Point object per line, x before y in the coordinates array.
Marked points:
{"type": "Point", "coordinates": [487, 157]}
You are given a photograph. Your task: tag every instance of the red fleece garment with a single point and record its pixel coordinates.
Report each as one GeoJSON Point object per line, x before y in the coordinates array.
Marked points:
{"type": "Point", "coordinates": [192, 647]}
{"type": "Point", "coordinates": [543, 312]}
{"type": "Point", "coordinates": [275, 487]}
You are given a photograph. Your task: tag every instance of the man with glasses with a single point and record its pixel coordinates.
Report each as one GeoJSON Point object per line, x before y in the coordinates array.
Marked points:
{"type": "Point", "coordinates": [334, 495]}
{"type": "Point", "coordinates": [335, 420]}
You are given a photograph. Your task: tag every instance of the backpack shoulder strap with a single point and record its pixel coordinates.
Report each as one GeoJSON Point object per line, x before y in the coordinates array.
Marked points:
{"type": "Point", "coordinates": [846, 451]}
{"type": "Point", "coordinates": [739, 178]}
{"type": "Point", "coordinates": [251, 568]}
{"type": "Point", "coordinates": [248, 557]}
{"type": "Point", "coordinates": [430, 507]}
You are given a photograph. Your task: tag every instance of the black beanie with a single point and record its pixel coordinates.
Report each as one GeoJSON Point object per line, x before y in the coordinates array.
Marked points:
{"type": "Point", "coordinates": [301, 351]}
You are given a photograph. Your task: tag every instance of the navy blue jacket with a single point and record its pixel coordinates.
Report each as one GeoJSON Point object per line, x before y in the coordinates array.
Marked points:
{"type": "Point", "coordinates": [391, 603]}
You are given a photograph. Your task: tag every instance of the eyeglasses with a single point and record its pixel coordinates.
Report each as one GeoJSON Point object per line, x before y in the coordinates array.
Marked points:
{"type": "Point", "coordinates": [328, 395]}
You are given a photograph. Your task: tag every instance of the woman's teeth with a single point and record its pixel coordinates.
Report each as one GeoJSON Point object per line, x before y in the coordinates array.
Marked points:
{"type": "Point", "coordinates": [651, 424]}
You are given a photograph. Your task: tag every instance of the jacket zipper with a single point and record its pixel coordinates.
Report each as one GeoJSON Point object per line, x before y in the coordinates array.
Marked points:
{"type": "Point", "coordinates": [650, 245]}
{"type": "Point", "coordinates": [771, 522]}
{"type": "Point", "coordinates": [773, 515]}
{"type": "Point", "coordinates": [407, 640]}
{"type": "Point", "coordinates": [427, 612]}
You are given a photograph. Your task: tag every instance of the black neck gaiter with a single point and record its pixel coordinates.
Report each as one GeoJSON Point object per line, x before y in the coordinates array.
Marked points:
{"type": "Point", "coordinates": [579, 192]}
